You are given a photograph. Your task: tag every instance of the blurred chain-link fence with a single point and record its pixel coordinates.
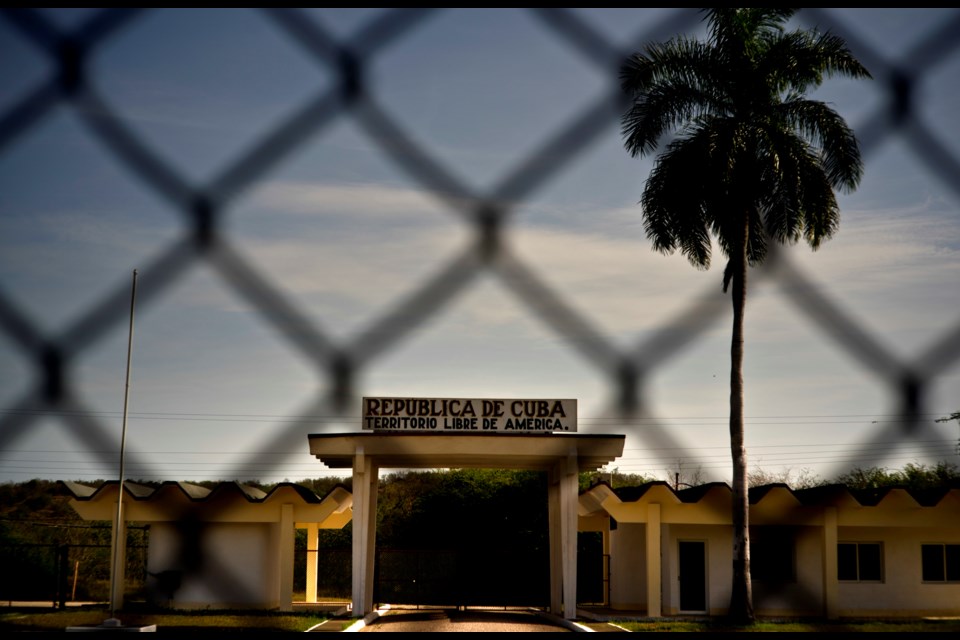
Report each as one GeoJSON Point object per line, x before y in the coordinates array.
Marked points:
{"type": "Point", "coordinates": [347, 60]}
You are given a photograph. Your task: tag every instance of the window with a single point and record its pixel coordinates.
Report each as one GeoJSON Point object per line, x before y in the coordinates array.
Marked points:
{"type": "Point", "coordinates": [860, 561]}
{"type": "Point", "coordinates": [772, 555]}
{"type": "Point", "coordinates": [941, 562]}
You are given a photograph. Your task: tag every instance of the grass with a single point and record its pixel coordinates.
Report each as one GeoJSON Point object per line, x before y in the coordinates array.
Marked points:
{"type": "Point", "coordinates": [267, 621]}
{"type": "Point", "coordinates": [794, 626]}
{"type": "Point", "coordinates": [205, 621]}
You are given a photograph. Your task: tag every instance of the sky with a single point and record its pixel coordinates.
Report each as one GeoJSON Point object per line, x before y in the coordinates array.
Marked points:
{"type": "Point", "coordinates": [326, 242]}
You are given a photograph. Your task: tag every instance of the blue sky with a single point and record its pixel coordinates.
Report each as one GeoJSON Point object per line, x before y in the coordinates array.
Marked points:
{"type": "Point", "coordinates": [345, 232]}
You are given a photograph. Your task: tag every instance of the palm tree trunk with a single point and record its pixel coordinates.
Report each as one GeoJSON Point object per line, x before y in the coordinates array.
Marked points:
{"type": "Point", "coordinates": [741, 599]}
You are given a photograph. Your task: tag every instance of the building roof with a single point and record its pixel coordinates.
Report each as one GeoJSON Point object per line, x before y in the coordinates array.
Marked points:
{"type": "Point", "coordinates": [226, 501]}
{"type": "Point", "coordinates": [437, 450]}
{"type": "Point", "coordinates": [194, 492]}
{"type": "Point", "coordinates": [774, 504]}
{"type": "Point", "coordinates": [814, 496]}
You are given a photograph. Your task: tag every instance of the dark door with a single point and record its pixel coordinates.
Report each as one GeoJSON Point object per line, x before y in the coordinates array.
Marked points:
{"type": "Point", "coordinates": [693, 576]}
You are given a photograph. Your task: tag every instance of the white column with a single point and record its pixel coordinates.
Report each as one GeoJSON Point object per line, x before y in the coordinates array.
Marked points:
{"type": "Point", "coordinates": [654, 583]}
{"type": "Point", "coordinates": [313, 553]}
{"type": "Point", "coordinates": [606, 562]}
{"type": "Point", "coordinates": [556, 556]}
{"type": "Point", "coordinates": [830, 584]}
{"type": "Point", "coordinates": [568, 532]}
{"type": "Point", "coordinates": [371, 533]}
{"type": "Point", "coordinates": [287, 534]}
{"type": "Point", "coordinates": [364, 531]}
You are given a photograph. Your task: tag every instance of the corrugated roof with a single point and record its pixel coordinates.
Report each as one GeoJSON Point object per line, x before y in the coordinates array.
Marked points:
{"type": "Point", "coordinates": [195, 492]}
{"type": "Point", "coordinates": [632, 494]}
{"type": "Point", "coordinates": [79, 491]}
{"type": "Point", "coordinates": [814, 496]}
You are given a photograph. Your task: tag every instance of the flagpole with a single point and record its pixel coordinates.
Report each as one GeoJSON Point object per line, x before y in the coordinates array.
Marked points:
{"type": "Point", "coordinates": [118, 526]}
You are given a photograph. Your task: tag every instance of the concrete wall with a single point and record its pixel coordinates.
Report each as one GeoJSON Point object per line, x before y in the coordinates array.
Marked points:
{"type": "Point", "coordinates": [902, 590]}
{"type": "Point", "coordinates": [719, 542]}
{"type": "Point", "coordinates": [236, 565]}
{"type": "Point", "coordinates": [804, 596]}
{"type": "Point", "coordinates": [628, 583]}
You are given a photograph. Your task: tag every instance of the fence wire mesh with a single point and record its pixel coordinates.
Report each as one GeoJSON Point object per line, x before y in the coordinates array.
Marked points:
{"type": "Point", "coordinates": [204, 209]}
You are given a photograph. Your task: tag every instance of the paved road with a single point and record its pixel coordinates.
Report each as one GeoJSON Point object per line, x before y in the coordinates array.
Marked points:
{"type": "Point", "coordinates": [469, 620]}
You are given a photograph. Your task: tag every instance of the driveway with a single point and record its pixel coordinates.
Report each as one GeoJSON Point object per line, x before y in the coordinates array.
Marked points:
{"type": "Point", "coordinates": [449, 619]}
{"type": "Point", "coordinates": [420, 619]}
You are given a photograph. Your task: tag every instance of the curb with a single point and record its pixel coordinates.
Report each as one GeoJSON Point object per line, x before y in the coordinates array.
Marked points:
{"type": "Point", "coordinates": [367, 619]}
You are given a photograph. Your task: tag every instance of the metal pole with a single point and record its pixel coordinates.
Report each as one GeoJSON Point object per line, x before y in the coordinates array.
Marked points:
{"type": "Point", "coordinates": [123, 437]}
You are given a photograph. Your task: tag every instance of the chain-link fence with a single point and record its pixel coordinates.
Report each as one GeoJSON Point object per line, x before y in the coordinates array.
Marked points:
{"type": "Point", "coordinates": [205, 207]}
{"type": "Point", "coordinates": [56, 574]}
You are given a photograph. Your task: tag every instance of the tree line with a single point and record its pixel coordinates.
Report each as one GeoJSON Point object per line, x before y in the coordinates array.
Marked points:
{"type": "Point", "coordinates": [413, 505]}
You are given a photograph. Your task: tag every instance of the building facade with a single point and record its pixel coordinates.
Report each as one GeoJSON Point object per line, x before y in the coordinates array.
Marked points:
{"type": "Point", "coordinates": [824, 552]}
{"type": "Point", "coordinates": [231, 546]}
{"type": "Point", "coordinates": [828, 551]}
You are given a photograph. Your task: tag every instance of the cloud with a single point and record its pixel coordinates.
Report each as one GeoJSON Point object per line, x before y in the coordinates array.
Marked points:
{"type": "Point", "coordinates": [370, 244]}
{"type": "Point", "coordinates": [893, 271]}
{"type": "Point", "coordinates": [377, 202]}
{"type": "Point", "coordinates": [366, 244]}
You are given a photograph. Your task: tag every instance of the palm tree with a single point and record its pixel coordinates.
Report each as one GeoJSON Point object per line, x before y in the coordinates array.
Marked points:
{"type": "Point", "coordinates": [753, 160]}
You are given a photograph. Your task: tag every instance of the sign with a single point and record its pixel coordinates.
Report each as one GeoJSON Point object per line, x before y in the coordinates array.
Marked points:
{"type": "Point", "coordinates": [469, 414]}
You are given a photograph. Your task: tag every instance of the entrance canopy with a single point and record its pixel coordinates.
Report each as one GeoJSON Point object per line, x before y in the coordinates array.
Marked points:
{"type": "Point", "coordinates": [421, 450]}
{"type": "Point", "coordinates": [561, 455]}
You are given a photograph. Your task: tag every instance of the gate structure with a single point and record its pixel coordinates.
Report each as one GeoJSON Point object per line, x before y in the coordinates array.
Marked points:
{"type": "Point", "coordinates": [562, 455]}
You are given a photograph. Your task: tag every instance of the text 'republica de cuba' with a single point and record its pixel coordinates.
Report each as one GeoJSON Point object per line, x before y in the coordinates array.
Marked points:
{"type": "Point", "coordinates": [469, 414]}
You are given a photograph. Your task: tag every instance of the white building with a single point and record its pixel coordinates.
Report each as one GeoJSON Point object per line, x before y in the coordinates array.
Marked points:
{"type": "Point", "coordinates": [227, 547]}
{"type": "Point", "coordinates": [827, 551]}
